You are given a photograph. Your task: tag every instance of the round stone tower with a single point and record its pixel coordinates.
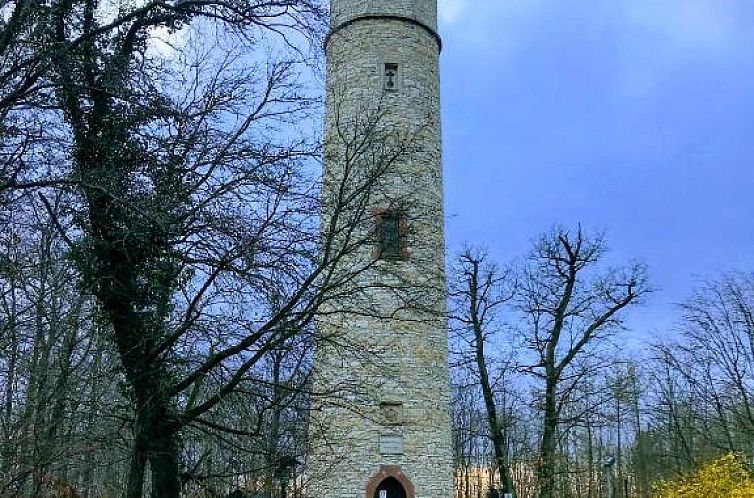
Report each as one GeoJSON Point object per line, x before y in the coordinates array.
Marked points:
{"type": "Point", "coordinates": [380, 424]}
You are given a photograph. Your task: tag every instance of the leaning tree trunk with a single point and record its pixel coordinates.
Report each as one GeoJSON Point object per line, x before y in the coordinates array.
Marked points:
{"type": "Point", "coordinates": [496, 433]}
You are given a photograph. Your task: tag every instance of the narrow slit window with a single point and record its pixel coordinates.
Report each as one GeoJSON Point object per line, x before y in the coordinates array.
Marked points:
{"type": "Point", "coordinates": [391, 236]}
{"type": "Point", "coordinates": [390, 80]}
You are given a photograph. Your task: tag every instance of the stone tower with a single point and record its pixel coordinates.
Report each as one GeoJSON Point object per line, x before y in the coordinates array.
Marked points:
{"type": "Point", "coordinates": [380, 427]}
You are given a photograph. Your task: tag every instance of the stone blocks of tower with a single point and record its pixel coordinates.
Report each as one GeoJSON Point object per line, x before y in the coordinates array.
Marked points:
{"type": "Point", "coordinates": [381, 365]}
{"type": "Point", "coordinates": [423, 11]}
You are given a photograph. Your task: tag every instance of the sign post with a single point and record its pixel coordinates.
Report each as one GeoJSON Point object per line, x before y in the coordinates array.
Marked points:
{"type": "Point", "coordinates": [609, 476]}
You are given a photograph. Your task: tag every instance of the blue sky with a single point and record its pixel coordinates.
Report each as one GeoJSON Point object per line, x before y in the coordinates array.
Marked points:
{"type": "Point", "coordinates": [631, 116]}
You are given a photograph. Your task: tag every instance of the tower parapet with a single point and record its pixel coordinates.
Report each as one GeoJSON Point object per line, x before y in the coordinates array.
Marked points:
{"type": "Point", "coordinates": [423, 12]}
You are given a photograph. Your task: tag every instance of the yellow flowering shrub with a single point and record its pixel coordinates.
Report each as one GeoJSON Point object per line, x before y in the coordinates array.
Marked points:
{"type": "Point", "coordinates": [727, 477]}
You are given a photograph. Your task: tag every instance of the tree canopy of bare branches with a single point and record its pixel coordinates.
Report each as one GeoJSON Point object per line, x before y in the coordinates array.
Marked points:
{"type": "Point", "coordinates": [183, 195]}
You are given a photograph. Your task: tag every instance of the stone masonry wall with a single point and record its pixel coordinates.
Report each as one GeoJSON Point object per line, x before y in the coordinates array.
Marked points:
{"type": "Point", "coordinates": [400, 361]}
{"type": "Point", "coordinates": [423, 11]}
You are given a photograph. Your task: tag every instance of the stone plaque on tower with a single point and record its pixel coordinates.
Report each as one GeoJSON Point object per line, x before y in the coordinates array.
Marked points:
{"type": "Point", "coordinates": [380, 423]}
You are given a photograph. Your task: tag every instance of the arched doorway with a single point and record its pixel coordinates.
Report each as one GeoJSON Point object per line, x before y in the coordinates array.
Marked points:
{"type": "Point", "coordinates": [390, 482]}
{"type": "Point", "coordinates": [390, 488]}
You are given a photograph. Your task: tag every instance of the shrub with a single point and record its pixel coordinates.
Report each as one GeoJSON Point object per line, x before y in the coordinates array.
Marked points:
{"type": "Point", "coordinates": [728, 477]}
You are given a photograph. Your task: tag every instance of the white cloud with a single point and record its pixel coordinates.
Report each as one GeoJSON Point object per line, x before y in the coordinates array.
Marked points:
{"type": "Point", "coordinates": [506, 24]}
{"type": "Point", "coordinates": [451, 10]}
{"type": "Point", "coordinates": [708, 25]}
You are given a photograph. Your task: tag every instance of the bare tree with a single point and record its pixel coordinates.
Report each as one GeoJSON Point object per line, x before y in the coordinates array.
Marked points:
{"type": "Point", "coordinates": [51, 366]}
{"type": "Point", "coordinates": [718, 325]}
{"type": "Point", "coordinates": [478, 292]}
{"type": "Point", "coordinates": [192, 208]}
{"type": "Point", "coordinates": [569, 310]}
{"type": "Point", "coordinates": [702, 382]}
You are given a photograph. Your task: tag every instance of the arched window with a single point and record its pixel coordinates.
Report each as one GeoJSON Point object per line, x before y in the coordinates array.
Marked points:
{"type": "Point", "coordinates": [390, 488]}
{"type": "Point", "coordinates": [391, 227]}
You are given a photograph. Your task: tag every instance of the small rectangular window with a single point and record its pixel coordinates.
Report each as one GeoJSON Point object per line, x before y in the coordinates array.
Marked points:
{"type": "Point", "coordinates": [391, 235]}
{"type": "Point", "coordinates": [390, 79]}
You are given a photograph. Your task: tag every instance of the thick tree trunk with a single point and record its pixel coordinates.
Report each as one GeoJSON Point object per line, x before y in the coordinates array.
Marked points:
{"type": "Point", "coordinates": [155, 424]}
{"type": "Point", "coordinates": [155, 428]}
{"type": "Point", "coordinates": [158, 446]}
{"type": "Point", "coordinates": [164, 463]}
{"type": "Point", "coordinates": [118, 291]}
{"type": "Point", "coordinates": [136, 470]}
{"type": "Point", "coordinates": [155, 441]}
{"type": "Point", "coordinates": [546, 467]}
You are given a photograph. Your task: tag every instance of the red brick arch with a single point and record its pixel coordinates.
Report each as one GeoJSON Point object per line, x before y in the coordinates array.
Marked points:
{"type": "Point", "coordinates": [390, 471]}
